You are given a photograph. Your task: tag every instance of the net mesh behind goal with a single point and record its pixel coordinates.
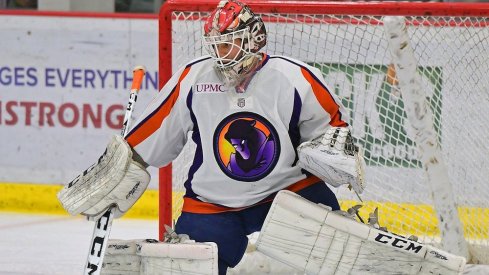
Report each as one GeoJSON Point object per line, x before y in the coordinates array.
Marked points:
{"type": "Point", "coordinates": [347, 42]}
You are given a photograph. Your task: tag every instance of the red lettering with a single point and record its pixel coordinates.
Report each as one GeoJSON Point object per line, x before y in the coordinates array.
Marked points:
{"type": "Point", "coordinates": [28, 111]}
{"type": "Point", "coordinates": [46, 109]}
{"type": "Point", "coordinates": [10, 111]}
{"type": "Point", "coordinates": [117, 124]}
{"type": "Point", "coordinates": [62, 116]}
{"type": "Point", "coordinates": [95, 118]}
{"type": "Point", "coordinates": [67, 115]}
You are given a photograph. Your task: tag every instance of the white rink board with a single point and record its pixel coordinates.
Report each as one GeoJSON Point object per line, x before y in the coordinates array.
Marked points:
{"type": "Point", "coordinates": [54, 67]}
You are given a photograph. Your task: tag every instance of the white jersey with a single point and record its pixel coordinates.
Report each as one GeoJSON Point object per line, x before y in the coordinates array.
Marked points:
{"type": "Point", "coordinates": [245, 142]}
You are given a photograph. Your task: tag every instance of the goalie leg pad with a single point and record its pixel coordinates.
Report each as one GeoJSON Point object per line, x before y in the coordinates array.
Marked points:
{"type": "Point", "coordinates": [150, 257]}
{"type": "Point", "coordinates": [180, 258]}
{"type": "Point", "coordinates": [120, 257]}
{"type": "Point", "coordinates": [315, 240]}
{"type": "Point", "coordinates": [116, 179]}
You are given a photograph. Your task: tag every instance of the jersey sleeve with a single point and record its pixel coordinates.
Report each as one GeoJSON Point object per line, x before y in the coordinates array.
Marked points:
{"type": "Point", "coordinates": [161, 131]}
{"type": "Point", "coordinates": [320, 106]}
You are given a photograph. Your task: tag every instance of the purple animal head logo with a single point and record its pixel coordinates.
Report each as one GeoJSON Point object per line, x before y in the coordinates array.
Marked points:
{"type": "Point", "coordinates": [246, 146]}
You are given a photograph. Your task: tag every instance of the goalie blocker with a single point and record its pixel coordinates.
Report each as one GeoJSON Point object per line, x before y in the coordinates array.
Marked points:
{"type": "Point", "coordinates": [315, 240]}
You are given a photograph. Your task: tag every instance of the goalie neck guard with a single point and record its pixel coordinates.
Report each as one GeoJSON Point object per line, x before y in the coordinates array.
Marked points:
{"type": "Point", "coordinates": [232, 25]}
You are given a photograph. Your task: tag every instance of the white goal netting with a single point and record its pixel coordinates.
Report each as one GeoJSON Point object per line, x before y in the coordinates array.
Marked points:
{"type": "Point", "coordinates": [452, 57]}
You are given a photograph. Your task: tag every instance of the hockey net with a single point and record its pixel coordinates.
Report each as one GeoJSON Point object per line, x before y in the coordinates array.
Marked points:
{"type": "Point", "coordinates": [348, 43]}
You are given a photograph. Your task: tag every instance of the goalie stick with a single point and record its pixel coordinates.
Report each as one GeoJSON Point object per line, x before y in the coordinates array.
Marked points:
{"type": "Point", "coordinates": [103, 225]}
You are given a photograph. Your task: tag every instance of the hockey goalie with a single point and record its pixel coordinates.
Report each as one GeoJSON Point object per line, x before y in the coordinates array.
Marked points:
{"type": "Point", "coordinates": [261, 124]}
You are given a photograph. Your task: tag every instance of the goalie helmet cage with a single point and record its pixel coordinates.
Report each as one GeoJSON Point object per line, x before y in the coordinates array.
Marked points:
{"type": "Point", "coordinates": [406, 173]}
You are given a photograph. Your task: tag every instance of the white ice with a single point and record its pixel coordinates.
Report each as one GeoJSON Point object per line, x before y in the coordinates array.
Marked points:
{"type": "Point", "coordinates": [46, 244]}
{"type": "Point", "coordinates": [43, 244]}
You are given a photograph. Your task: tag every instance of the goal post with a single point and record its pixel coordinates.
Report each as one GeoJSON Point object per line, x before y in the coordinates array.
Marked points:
{"type": "Point", "coordinates": [443, 199]}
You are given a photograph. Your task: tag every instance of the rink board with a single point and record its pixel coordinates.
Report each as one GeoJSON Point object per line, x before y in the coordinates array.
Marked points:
{"type": "Point", "coordinates": [41, 199]}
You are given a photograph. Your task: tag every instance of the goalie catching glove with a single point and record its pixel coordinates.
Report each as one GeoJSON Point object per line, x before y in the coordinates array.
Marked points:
{"type": "Point", "coordinates": [115, 180]}
{"type": "Point", "coordinates": [334, 158]}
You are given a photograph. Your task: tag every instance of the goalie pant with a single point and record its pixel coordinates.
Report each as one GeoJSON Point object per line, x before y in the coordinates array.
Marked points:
{"type": "Point", "coordinates": [229, 229]}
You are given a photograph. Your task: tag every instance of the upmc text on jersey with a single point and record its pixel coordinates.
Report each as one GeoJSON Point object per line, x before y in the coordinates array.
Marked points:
{"type": "Point", "coordinates": [210, 88]}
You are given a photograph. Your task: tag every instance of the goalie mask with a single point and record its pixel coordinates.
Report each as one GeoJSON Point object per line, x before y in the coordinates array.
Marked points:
{"type": "Point", "coordinates": [233, 35]}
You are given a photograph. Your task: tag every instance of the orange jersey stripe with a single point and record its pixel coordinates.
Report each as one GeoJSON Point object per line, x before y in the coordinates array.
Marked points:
{"type": "Point", "coordinates": [194, 206]}
{"type": "Point", "coordinates": [296, 187]}
{"type": "Point", "coordinates": [325, 98]}
{"type": "Point", "coordinates": [154, 122]}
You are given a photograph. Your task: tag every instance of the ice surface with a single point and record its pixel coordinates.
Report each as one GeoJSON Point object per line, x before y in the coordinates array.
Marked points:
{"type": "Point", "coordinates": [37, 244]}
{"type": "Point", "coordinates": [46, 244]}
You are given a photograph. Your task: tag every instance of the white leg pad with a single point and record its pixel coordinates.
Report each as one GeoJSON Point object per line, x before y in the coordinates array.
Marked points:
{"type": "Point", "coordinates": [145, 257]}
{"type": "Point", "coordinates": [315, 240]}
{"type": "Point", "coordinates": [120, 257]}
{"type": "Point", "coordinates": [180, 258]}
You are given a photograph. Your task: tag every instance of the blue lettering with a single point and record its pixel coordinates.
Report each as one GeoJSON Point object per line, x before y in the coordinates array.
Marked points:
{"type": "Point", "coordinates": [116, 80]}
{"type": "Point", "coordinates": [76, 78]}
{"type": "Point", "coordinates": [5, 79]}
{"type": "Point", "coordinates": [61, 79]}
{"type": "Point", "coordinates": [48, 77]}
{"type": "Point", "coordinates": [19, 76]}
{"type": "Point", "coordinates": [126, 80]}
{"type": "Point", "coordinates": [102, 77]}
{"type": "Point", "coordinates": [31, 75]}
{"type": "Point", "coordinates": [152, 81]}
{"type": "Point", "coordinates": [89, 77]}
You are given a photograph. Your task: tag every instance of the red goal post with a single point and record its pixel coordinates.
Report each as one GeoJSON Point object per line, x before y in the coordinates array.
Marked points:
{"type": "Point", "coordinates": [397, 182]}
